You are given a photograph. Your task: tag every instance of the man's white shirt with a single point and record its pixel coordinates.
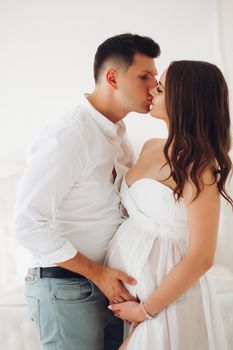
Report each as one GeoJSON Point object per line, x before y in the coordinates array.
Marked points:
{"type": "Point", "coordinates": [67, 201]}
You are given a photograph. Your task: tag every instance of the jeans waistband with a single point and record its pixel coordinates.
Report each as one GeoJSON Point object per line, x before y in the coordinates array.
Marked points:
{"type": "Point", "coordinates": [53, 272]}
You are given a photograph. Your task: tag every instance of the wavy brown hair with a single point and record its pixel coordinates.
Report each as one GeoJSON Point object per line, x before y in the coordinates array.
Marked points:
{"type": "Point", "coordinates": [196, 96]}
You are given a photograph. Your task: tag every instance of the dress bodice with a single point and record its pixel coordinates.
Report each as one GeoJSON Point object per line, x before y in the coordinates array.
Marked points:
{"type": "Point", "coordinates": [152, 204]}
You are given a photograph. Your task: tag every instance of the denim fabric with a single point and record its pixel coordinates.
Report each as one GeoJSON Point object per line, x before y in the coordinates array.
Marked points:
{"type": "Point", "coordinates": [72, 314]}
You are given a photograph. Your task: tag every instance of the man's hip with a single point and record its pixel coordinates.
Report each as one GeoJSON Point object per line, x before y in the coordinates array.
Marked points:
{"type": "Point", "coordinates": [71, 313]}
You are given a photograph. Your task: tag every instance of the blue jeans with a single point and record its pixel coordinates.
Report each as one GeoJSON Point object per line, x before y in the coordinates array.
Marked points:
{"type": "Point", "coordinates": [72, 314]}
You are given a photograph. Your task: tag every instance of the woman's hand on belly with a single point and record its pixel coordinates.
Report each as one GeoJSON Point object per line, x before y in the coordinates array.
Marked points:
{"type": "Point", "coordinates": [130, 311]}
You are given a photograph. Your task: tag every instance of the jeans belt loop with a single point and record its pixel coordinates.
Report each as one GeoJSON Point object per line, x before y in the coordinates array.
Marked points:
{"type": "Point", "coordinates": [38, 272]}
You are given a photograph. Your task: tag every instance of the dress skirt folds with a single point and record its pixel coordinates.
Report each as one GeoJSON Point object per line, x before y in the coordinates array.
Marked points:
{"type": "Point", "coordinates": [147, 246]}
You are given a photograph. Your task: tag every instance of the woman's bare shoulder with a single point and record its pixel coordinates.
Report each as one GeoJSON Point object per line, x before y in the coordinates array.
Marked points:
{"type": "Point", "coordinates": [153, 144]}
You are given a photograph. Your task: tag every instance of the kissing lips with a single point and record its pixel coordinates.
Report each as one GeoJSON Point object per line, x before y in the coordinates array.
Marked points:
{"type": "Point", "coordinates": [149, 101]}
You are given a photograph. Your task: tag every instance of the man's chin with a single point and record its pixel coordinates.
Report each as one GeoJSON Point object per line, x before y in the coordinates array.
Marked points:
{"type": "Point", "coordinates": [144, 109]}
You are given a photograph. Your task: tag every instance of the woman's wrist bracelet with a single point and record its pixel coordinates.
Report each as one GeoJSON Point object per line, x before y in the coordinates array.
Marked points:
{"type": "Point", "coordinates": [147, 315]}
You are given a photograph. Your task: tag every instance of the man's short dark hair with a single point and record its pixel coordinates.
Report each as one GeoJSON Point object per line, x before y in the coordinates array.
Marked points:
{"type": "Point", "coordinates": [122, 48]}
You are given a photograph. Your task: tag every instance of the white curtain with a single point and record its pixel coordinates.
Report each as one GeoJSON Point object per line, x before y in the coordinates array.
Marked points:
{"type": "Point", "coordinates": [223, 17]}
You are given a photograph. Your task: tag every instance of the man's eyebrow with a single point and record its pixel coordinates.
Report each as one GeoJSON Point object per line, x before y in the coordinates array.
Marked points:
{"type": "Point", "coordinates": [150, 72]}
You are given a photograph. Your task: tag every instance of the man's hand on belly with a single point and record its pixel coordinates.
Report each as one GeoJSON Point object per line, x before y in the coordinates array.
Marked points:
{"type": "Point", "coordinates": [110, 282]}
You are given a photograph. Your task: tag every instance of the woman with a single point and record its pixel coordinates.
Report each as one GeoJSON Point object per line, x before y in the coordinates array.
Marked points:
{"type": "Point", "coordinates": [172, 195]}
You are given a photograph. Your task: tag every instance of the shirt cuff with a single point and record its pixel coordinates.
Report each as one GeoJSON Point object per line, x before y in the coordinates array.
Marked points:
{"type": "Point", "coordinates": [66, 252]}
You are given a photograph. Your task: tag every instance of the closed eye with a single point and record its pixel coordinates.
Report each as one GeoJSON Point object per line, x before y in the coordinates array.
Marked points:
{"type": "Point", "coordinates": [158, 88]}
{"type": "Point", "coordinates": [143, 77]}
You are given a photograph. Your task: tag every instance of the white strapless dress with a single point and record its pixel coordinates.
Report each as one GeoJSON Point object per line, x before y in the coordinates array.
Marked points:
{"type": "Point", "coordinates": [147, 246]}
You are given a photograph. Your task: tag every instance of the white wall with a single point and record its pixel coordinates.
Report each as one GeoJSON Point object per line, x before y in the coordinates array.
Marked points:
{"type": "Point", "coordinates": [47, 49]}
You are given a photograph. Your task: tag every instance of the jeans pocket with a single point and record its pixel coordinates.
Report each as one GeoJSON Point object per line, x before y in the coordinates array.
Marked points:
{"type": "Point", "coordinates": [34, 311]}
{"type": "Point", "coordinates": [73, 291]}
{"type": "Point", "coordinates": [30, 279]}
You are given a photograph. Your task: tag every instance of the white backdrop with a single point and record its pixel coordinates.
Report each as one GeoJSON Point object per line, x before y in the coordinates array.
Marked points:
{"type": "Point", "coordinates": [46, 58]}
{"type": "Point", "coordinates": [47, 49]}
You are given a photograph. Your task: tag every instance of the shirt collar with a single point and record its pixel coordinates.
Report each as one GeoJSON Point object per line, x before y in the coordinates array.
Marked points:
{"type": "Point", "coordinates": [109, 128]}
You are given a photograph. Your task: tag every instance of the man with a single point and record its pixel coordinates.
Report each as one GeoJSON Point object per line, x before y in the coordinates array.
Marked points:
{"type": "Point", "coordinates": [68, 203]}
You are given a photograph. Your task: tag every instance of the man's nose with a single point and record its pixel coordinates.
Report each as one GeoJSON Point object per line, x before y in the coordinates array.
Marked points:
{"type": "Point", "coordinates": [153, 84]}
{"type": "Point", "coordinates": [152, 87]}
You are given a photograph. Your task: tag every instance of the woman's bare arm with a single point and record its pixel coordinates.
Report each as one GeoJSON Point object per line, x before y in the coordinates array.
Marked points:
{"type": "Point", "coordinates": [203, 216]}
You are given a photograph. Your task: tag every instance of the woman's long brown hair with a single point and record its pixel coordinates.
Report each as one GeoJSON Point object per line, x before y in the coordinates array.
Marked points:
{"type": "Point", "coordinates": [199, 125]}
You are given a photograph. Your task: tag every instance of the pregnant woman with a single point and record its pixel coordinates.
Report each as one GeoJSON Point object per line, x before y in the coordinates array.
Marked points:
{"type": "Point", "coordinates": [172, 196]}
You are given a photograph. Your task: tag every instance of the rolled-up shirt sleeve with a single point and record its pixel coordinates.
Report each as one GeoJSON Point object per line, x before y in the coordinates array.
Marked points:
{"type": "Point", "coordinates": [56, 162]}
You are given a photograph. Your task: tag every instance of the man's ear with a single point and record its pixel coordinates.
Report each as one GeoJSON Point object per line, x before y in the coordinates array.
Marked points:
{"type": "Point", "coordinates": [111, 77]}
